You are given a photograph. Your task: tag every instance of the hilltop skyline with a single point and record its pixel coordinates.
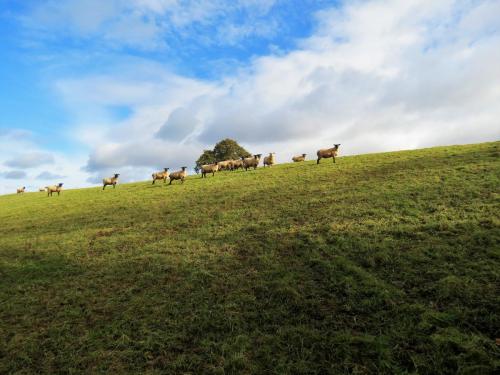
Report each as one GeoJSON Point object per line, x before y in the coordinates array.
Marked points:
{"type": "Point", "coordinates": [90, 88]}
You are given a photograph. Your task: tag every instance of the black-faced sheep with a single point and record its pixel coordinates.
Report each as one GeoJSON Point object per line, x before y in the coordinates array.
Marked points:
{"type": "Point", "coordinates": [328, 153]}
{"type": "Point", "coordinates": [179, 175]}
{"type": "Point", "coordinates": [161, 175]}
{"type": "Point", "coordinates": [110, 181]}
{"type": "Point", "coordinates": [54, 189]}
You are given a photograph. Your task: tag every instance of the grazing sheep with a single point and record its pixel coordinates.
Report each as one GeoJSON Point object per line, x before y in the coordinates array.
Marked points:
{"type": "Point", "coordinates": [54, 189]}
{"type": "Point", "coordinates": [237, 164]}
{"type": "Point", "coordinates": [209, 168]}
{"type": "Point", "coordinates": [21, 190]}
{"type": "Point", "coordinates": [270, 160]}
{"type": "Point", "coordinates": [328, 153]}
{"type": "Point", "coordinates": [179, 175]}
{"type": "Point", "coordinates": [299, 158]}
{"type": "Point", "coordinates": [161, 175]}
{"type": "Point", "coordinates": [251, 162]}
{"type": "Point", "coordinates": [110, 181]}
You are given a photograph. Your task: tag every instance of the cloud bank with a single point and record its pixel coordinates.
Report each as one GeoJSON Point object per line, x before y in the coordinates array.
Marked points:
{"type": "Point", "coordinates": [380, 75]}
{"type": "Point", "coordinates": [373, 76]}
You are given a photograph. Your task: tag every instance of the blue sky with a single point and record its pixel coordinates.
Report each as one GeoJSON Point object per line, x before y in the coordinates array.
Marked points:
{"type": "Point", "coordinates": [90, 87]}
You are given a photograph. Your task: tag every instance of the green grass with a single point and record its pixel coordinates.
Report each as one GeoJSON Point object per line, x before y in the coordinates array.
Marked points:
{"type": "Point", "coordinates": [381, 263]}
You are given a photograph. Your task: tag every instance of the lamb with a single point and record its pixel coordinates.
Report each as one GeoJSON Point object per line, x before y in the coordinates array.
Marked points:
{"type": "Point", "coordinates": [179, 175]}
{"type": "Point", "coordinates": [54, 189]}
{"type": "Point", "coordinates": [270, 160]}
{"type": "Point", "coordinates": [21, 190]}
{"type": "Point", "coordinates": [209, 168]}
{"type": "Point", "coordinates": [251, 162]}
{"type": "Point", "coordinates": [298, 158]}
{"type": "Point", "coordinates": [161, 175]}
{"type": "Point", "coordinates": [328, 153]}
{"type": "Point", "coordinates": [110, 181]}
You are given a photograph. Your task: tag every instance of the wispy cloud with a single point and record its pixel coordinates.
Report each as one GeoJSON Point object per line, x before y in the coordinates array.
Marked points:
{"type": "Point", "coordinates": [151, 24]}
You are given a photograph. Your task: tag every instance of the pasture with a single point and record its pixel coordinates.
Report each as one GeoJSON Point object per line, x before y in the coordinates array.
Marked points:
{"type": "Point", "coordinates": [381, 263]}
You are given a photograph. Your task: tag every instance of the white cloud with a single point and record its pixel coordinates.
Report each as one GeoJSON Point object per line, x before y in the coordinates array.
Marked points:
{"type": "Point", "coordinates": [374, 76]}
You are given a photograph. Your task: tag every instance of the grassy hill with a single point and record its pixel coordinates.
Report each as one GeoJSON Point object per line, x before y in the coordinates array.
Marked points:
{"type": "Point", "coordinates": [381, 263]}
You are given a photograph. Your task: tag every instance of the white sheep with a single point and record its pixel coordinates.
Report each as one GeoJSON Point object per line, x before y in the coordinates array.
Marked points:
{"type": "Point", "coordinates": [54, 189]}
{"type": "Point", "coordinates": [209, 168]}
{"type": "Point", "coordinates": [161, 175]}
{"type": "Point", "coordinates": [179, 175]}
{"type": "Point", "coordinates": [110, 181]}
{"type": "Point", "coordinates": [299, 158]}
{"type": "Point", "coordinates": [328, 153]}
{"type": "Point", "coordinates": [21, 190]}
{"type": "Point", "coordinates": [251, 162]}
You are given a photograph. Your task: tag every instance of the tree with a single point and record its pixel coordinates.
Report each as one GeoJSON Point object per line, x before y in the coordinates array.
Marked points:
{"type": "Point", "coordinates": [223, 150]}
{"type": "Point", "coordinates": [229, 149]}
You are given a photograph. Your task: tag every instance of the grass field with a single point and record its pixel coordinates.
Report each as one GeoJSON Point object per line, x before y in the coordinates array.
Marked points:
{"type": "Point", "coordinates": [381, 263]}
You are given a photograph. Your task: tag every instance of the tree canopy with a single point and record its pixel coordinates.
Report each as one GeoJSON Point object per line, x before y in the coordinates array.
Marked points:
{"type": "Point", "coordinates": [223, 150]}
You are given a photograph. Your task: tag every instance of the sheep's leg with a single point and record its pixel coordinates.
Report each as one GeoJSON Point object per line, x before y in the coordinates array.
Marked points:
{"type": "Point", "coordinates": [153, 181]}
{"type": "Point", "coordinates": [334, 159]}
{"type": "Point", "coordinates": [114, 185]}
{"type": "Point", "coordinates": [104, 186]}
{"type": "Point", "coordinates": [317, 161]}
{"type": "Point", "coordinates": [170, 182]}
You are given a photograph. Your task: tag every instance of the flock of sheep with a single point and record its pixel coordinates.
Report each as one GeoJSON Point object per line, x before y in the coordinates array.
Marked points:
{"type": "Point", "coordinates": [226, 165]}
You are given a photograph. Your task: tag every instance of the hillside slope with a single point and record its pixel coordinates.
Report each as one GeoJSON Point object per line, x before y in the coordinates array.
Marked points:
{"type": "Point", "coordinates": [384, 263]}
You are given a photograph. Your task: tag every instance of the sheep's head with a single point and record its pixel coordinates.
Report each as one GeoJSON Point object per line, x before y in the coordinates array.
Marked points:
{"type": "Point", "coordinates": [60, 184]}
{"type": "Point", "coordinates": [183, 168]}
{"type": "Point", "coordinates": [116, 175]}
{"type": "Point", "coordinates": [304, 155]}
{"type": "Point", "coordinates": [165, 169]}
{"type": "Point", "coordinates": [337, 145]}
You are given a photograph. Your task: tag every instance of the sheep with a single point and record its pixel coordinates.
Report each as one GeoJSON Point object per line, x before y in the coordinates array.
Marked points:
{"type": "Point", "coordinates": [224, 165]}
{"type": "Point", "coordinates": [161, 175]}
{"type": "Point", "coordinates": [209, 168]}
{"type": "Point", "coordinates": [237, 164]}
{"type": "Point", "coordinates": [54, 189]}
{"type": "Point", "coordinates": [42, 189]}
{"type": "Point", "coordinates": [251, 162]}
{"type": "Point", "coordinates": [179, 175]}
{"type": "Point", "coordinates": [270, 160]}
{"type": "Point", "coordinates": [110, 181]}
{"type": "Point", "coordinates": [298, 158]}
{"type": "Point", "coordinates": [328, 153]}
{"type": "Point", "coordinates": [21, 190]}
